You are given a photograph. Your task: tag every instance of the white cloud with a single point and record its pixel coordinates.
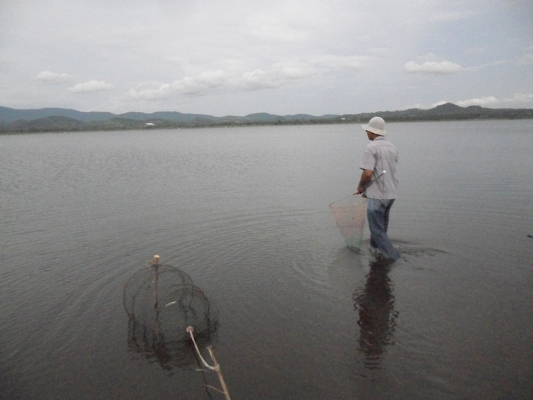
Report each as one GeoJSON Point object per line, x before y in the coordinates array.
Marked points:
{"type": "Point", "coordinates": [292, 56]}
{"type": "Point", "coordinates": [438, 103]}
{"type": "Point", "coordinates": [482, 101]}
{"type": "Point", "coordinates": [53, 77]}
{"type": "Point", "coordinates": [260, 79]}
{"type": "Point", "coordinates": [520, 98]}
{"type": "Point", "coordinates": [91, 86]}
{"type": "Point", "coordinates": [160, 93]}
{"type": "Point", "coordinates": [198, 85]}
{"type": "Point", "coordinates": [516, 100]}
{"type": "Point", "coordinates": [279, 74]}
{"type": "Point", "coordinates": [218, 80]}
{"type": "Point", "coordinates": [432, 68]}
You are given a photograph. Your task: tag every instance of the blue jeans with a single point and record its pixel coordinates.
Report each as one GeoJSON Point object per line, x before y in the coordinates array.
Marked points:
{"type": "Point", "coordinates": [377, 212]}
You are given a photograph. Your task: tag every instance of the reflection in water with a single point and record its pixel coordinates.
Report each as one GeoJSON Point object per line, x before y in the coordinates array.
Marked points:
{"type": "Point", "coordinates": [169, 352]}
{"type": "Point", "coordinates": [377, 318]}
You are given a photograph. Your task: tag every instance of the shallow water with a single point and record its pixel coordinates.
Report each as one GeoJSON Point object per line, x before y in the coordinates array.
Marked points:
{"type": "Point", "coordinates": [244, 212]}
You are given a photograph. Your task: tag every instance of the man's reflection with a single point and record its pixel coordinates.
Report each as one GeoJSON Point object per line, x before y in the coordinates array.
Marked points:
{"type": "Point", "coordinates": [377, 318]}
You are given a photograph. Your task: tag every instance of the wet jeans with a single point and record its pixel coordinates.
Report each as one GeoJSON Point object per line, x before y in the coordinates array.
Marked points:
{"type": "Point", "coordinates": [377, 212]}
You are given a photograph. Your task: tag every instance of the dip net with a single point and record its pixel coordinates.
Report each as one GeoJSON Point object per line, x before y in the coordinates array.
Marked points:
{"type": "Point", "coordinates": [162, 302]}
{"type": "Point", "coordinates": [350, 214]}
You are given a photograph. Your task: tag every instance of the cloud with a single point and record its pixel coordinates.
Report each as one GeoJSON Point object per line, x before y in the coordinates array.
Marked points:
{"type": "Point", "coordinates": [438, 103]}
{"type": "Point", "coordinates": [432, 68]}
{"type": "Point", "coordinates": [275, 77]}
{"type": "Point", "coordinates": [516, 100]}
{"type": "Point", "coordinates": [53, 78]}
{"type": "Point", "coordinates": [207, 82]}
{"type": "Point", "coordinates": [278, 75]}
{"type": "Point", "coordinates": [189, 85]}
{"type": "Point", "coordinates": [317, 56]}
{"type": "Point", "coordinates": [91, 86]}
{"type": "Point", "coordinates": [482, 101]}
{"type": "Point", "coordinates": [520, 98]}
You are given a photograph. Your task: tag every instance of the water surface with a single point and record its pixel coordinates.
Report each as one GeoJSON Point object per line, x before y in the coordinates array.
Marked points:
{"type": "Point", "coordinates": [244, 212]}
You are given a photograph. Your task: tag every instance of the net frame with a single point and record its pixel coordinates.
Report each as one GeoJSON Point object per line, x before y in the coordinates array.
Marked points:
{"type": "Point", "coordinates": [350, 215]}
{"type": "Point", "coordinates": [141, 285]}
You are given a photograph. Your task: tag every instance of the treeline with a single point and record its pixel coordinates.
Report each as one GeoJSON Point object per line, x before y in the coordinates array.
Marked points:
{"type": "Point", "coordinates": [137, 121]}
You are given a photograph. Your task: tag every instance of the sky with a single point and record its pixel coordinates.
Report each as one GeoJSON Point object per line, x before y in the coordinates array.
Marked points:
{"type": "Point", "coordinates": [284, 57]}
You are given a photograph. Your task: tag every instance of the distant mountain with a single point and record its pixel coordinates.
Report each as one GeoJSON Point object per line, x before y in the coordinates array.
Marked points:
{"type": "Point", "coordinates": [450, 108]}
{"type": "Point", "coordinates": [11, 114]}
{"type": "Point", "coordinates": [166, 116]}
{"type": "Point", "coordinates": [47, 124]}
{"type": "Point", "coordinates": [60, 119]}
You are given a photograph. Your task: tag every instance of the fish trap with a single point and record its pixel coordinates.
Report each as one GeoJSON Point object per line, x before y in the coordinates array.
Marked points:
{"type": "Point", "coordinates": [162, 302]}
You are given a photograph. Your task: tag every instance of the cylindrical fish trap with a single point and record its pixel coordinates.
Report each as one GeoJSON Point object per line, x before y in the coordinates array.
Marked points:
{"type": "Point", "coordinates": [161, 302]}
{"type": "Point", "coordinates": [350, 214]}
{"type": "Point", "coordinates": [146, 285]}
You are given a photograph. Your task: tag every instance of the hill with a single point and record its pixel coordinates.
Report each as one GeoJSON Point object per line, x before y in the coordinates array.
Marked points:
{"type": "Point", "coordinates": [60, 119]}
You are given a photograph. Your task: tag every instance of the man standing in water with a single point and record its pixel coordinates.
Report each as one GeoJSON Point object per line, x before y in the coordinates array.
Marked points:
{"type": "Point", "coordinates": [379, 184]}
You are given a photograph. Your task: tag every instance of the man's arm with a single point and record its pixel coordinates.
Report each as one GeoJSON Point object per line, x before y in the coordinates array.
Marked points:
{"type": "Point", "coordinates": [366, 178]}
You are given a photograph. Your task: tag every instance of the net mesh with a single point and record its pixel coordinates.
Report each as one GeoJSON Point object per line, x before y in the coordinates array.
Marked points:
{"type": "Point", "coordinates": [350, 214]}
{"type": "Point", "coordinates": [161, 302]}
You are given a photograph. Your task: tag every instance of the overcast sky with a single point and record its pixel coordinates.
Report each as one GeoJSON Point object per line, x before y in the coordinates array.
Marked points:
{"type": "Point", "coordinates": [237, 57]}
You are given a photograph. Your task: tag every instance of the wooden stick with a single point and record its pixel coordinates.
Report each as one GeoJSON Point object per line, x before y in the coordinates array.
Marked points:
{"type": "Point", "coordinates": [155, 264]}
{"type": "Point", "coordinates": [219, 373]}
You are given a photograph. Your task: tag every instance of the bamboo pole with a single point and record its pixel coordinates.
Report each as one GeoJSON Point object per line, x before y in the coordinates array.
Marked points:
{"type": "Point", "coordinates": [215, 367]}
{"type": "Point", "coordinates": [219, 373]}
{"type": "Point", "coordinates": [155, 264]}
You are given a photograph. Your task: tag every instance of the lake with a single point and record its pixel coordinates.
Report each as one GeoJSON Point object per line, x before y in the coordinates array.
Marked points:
{"type": "Point", "coordinates": [244, 213]}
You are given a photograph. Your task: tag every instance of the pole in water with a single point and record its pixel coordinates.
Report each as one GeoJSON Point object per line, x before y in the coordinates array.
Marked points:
{"type": "Point", "coordinates": [215, 367]}
{"type": "Point", "coordinates": [155, 264]}
{"type": "Point", "coordinates": [219, 373]}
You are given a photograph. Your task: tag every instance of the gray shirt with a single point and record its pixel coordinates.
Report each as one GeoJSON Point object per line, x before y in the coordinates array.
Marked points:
{"type": "Point", "coordinates": [381, 155]}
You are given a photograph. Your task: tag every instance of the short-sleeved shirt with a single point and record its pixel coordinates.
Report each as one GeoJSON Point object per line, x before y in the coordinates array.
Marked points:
{"type": "Point", "coordinates": [381, 155]}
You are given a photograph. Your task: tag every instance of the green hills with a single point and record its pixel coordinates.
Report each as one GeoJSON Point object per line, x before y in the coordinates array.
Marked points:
{"type": "Point", "coordinates": [61, 119]}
